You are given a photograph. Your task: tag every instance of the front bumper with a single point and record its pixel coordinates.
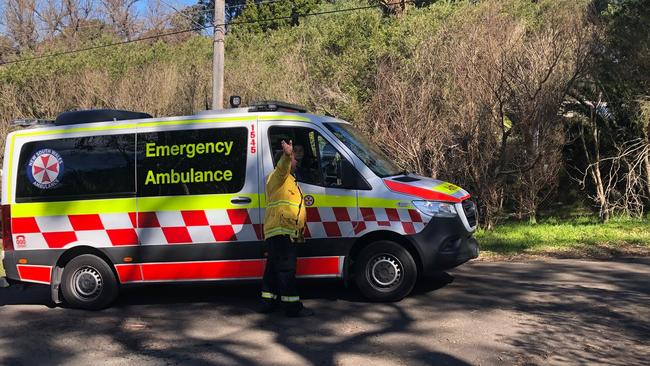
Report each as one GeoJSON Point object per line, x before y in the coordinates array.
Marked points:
{"type": "Point", "coordinates": [444, 243]}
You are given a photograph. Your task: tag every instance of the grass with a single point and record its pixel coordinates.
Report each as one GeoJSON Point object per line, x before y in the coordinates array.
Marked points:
{"type": "Point", "coordinates": [2, 269]}
{"type": "Point", "coordinates": [577, 237]}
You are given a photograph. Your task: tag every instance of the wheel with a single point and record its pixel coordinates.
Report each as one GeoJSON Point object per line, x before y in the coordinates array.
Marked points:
{"type": "Point", "coordinates": [385, 271]}
{"type": "Point", "coordinates": [88, 283]}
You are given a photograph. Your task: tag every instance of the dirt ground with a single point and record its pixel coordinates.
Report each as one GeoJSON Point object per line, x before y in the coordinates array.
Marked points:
{"type": "Point", "coordinates": [551, 311]}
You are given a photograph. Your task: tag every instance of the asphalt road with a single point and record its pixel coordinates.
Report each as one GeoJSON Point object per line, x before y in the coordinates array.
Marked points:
{"type": "Point", "coordinates": [483, 313]}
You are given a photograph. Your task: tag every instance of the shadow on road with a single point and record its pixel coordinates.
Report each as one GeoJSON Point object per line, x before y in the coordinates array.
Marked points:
{"type": "Point", "coordinates": [216, 324]}
{"type": "Point", "coordinates": [565, 311]}
{"type": "Point", "coordinates": [577, 312]}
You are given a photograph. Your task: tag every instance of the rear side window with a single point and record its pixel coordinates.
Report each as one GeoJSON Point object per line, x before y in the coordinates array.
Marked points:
{"type": "Point", "coordinates": [192, 162]}
{"type": "Point", "coordinates": [77, 168]}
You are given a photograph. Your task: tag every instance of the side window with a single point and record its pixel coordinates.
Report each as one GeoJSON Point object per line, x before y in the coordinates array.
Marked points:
{"type": "Point", "coordinates": [77, 168]}
{"type": "Point", "coordinates": [319, 163]}
{"type": "Point", "coordinates": [330, 163]}
{"type": "Point", "coordinates": [206, 161]}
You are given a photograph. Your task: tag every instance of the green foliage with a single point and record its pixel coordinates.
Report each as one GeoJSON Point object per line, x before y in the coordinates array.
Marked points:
{"type": "Point", "coordinates": [115, 60]}
{"type": "Point", "coordinates": [340, 50]}
{"type": "Point", "coordinates": [623, 67]}
{"type": "Point", "coordinates": [332, 63]}
{"type": "Point", "coordinates": [247, 13]}
{"type": "Point", "coordinates": [577, 236]}
{"type": "Point", "coordinates": [256, 14]}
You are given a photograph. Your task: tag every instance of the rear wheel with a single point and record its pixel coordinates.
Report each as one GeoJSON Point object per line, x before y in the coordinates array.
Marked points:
{"type": "Point", "coordinates": [385, 271]}
{"type": "Point", "coordinates": [88, 283]}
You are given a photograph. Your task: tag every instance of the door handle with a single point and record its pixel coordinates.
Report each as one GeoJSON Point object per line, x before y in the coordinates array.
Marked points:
{"type": "Point", "coordinates": [240, 200]}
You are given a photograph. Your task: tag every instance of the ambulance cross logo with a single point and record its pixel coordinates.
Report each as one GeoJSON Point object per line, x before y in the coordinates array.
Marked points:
{"type": "Point", "coordinates": [309, 200]}
{"type": "Point", "coordinates": [20, 241]}
{"type": "Point", "coordinates": [44, 168]}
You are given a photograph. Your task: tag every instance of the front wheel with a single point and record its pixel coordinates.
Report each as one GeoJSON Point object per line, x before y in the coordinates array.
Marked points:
{"type": "Point", "coordinates": [88, 283]}
{"type": "Point", "coordinates": [385, 271]}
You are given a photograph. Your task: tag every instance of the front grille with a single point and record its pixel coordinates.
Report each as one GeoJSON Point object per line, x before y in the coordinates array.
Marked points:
{"type": "Point", "coordinates": [470, 212]}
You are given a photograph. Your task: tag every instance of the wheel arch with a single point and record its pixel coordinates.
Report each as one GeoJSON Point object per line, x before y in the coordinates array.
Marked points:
{"type": "Point", "coordinates": [73, 252]}
{"type": "Point", "coordinates": [66, 257]}
{"type": "Point", "coordinates": [378, 235]}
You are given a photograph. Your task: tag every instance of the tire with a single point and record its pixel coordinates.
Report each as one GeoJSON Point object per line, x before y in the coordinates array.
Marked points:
{"type": "Point", "coordinates": [88, 283]}
{"type": "Point", "coordinates": [385, 271]}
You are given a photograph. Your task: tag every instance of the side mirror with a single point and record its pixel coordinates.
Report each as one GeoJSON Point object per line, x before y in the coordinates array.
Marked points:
{"type": "Point", "coordinates": [350, 177]}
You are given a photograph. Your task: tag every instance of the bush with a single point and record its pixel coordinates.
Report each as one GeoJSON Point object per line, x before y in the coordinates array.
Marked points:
{"type": "Point", "coordinates": [467, 92]}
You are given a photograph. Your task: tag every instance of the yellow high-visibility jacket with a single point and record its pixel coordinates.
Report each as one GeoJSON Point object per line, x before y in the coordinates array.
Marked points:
{"type": "Point", "coordinates": [285, 213]}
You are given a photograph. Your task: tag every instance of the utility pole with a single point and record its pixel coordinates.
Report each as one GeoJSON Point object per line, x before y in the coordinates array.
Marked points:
{"type": "Point", "coordinates": [218, 53]}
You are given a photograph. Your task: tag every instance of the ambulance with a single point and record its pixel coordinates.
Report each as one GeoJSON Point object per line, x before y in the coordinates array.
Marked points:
{"type": "Point", "coordinates": [100, 199]}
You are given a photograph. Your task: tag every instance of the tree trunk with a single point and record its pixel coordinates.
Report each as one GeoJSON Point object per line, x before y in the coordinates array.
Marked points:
{"type": "Point", "coordinates": [594, 167]}
{"type": "Point", "coordinates": [646, 160]}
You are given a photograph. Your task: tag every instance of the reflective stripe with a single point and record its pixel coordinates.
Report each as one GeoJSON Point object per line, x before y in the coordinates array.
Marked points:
{"type": "Point", "coordinates": [279, 230]}
{"type": "Point", "coordinates": [111, 126]}
{"type": "Point", "coordinates": [282, 203]}
{"type": "Point", "coordinates": [383, 203]}
{"type": "Point", "coordinates": [290, 298]}
{"type": "Point", "coordinates": [324, 200]}
{"type": "Point", "coordinates": [447, 188]}
{"type": "Point", "coordinates": [10, 169]}
{"type": "Point", "coordinates": [116, 205]}
{"type": "Point", "coordinates": [203, 202]}
{"type": "Point", "coordinates": [269, 295]}
{"type": "Point", "coordinates": [284, 118]}
{"type": "Point", "coordinates": [420, 192]}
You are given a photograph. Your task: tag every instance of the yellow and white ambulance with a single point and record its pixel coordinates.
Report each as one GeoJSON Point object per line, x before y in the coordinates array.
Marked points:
{"type": "Point", "coordinates": [89, 206]}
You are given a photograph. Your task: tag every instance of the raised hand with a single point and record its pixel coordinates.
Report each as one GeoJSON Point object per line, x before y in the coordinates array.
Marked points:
{"type": "Point", "coordinates": [287, 148]}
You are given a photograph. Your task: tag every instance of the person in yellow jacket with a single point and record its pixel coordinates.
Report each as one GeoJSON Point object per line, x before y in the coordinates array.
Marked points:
{"type": "Point", "coordinates": [284, 224]}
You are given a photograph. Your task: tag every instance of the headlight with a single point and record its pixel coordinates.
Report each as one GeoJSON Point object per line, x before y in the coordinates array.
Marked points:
{"type": "Point", "coordinates": [435, 208]}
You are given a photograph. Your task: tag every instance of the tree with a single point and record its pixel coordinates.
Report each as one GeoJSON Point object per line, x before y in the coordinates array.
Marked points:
{"type": "Point", "coordinates": [20, 21]}
{"type": "Point", "coordinates": [392, 7]}
{"type": "Point", "coordinates": [608, 105]}
{"type": "Point", "coordinates": [233, 9]}
{"type": "Point", "coordinates": [256, 13]}
{"type": "Point", "coordinates": [6, 48]}
{"type": "Point", "coordinates": [120, 15]}
{"type": "Point", "coordinates": [623, 69]}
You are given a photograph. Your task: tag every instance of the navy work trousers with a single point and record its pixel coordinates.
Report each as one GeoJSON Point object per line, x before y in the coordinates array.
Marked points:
{"type": "Point", "coordinates": [280, 274]}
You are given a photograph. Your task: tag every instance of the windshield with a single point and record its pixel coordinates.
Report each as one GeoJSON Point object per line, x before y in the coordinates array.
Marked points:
{"type": "Point", "coordinates": [369, 153]}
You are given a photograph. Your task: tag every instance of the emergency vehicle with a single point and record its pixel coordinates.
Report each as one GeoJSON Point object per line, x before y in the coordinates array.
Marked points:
{"type": "Point", "coordinates": [99, 199]}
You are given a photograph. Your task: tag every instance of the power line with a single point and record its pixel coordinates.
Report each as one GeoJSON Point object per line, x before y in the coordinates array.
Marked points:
{"type": "Point", "coordinates": [179, 12]}
{"type": "Point", "coordinates": [62, 27]}
{"type": "Point", "coordinates": [264, 2]}
{"type": "Point", "coordinates": [194, 29]}
{"type": "Point", "coordinates": [176, 10]}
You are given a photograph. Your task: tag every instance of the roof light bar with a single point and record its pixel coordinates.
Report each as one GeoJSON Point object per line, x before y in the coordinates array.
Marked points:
{"type": "Point", "coordinates": [27, 122]}
{"type": "Point", "coordinates": [273, 106]}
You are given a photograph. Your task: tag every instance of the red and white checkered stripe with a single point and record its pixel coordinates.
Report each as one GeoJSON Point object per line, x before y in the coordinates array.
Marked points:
{"type": "Point", "coordinates": [328, 222]}
{"type": "Point", "coordinates": [146, 228]}
{"type": "Point", "coordinates": [200, 226]}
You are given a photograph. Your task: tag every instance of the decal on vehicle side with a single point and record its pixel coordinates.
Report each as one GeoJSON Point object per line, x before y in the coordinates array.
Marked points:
{"type": "Point", "coordinates": [44, 168]}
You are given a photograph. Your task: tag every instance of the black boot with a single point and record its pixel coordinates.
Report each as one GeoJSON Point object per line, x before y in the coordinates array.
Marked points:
{"type": "Point", "coordinates": [299, 311]}
{"type": "Point", "coordinates": [267, 306]}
